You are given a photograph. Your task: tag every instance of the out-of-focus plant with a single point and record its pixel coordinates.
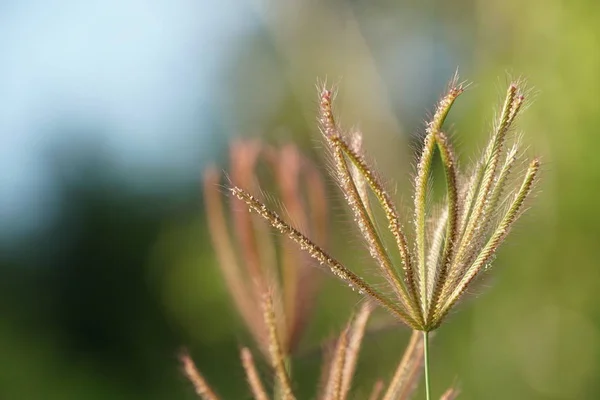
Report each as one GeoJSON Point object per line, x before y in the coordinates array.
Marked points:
{"type": "Point", "coordinates": [451, 245]}
{"type": "Point", "coordinates": [338, 371]}
{"type": "Point", "coordinates": [252, 260]}
{"type": "Point", "coordinates": [274, 294]}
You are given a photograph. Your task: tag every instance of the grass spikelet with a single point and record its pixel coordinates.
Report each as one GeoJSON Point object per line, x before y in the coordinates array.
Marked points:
{"type": "Point", "coordinates": [432, 138]}
{"type": "Point", "coordinates": [341, 272]}
{"type": "Point", "coordinates": [486, 169]}
{"type": "Point", "coordinates": [275, 350]}
{"type": "Point", "coordinates": [391, 214]}
{"type": "Point", "coordinates": [441, 268]}
{"type": "Point", "coordinates": [340, 149]}
{"type": "Point", "coordinates": [195, 377]}
{"type": "Point", "coordinates": [256, 386]}
{"type": "Point", "coordinates": [496, 239]}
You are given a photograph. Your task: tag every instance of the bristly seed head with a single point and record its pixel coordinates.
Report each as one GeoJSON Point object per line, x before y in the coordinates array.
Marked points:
{"type": "Point", "coordinates": [436, 269]}
{"type": "Point", "coordinates": [441, 263]}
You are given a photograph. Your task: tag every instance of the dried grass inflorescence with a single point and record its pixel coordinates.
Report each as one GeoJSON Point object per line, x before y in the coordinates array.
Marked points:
{"type": "Point", "coordinates": [478, 213]}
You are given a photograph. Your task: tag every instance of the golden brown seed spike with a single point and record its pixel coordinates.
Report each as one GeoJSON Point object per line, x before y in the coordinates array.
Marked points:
{"type": "Point", "coordinates": [496, 239]}
{"type": "Point", "coordinates": [277, 355]}
{"type": "Point", "coordinates": [392, 216]}
{"type": "Point", "coordinates": [336, 371]}
{"type": "Point", "coordinates": [487, 169]}
{"type": "Point", "coordinates": [407, 373]}
{"type": "Point", "coordinates": [376, 391]}
{"type": "Point", "coordinates": [485, 177]}
{"type": "Point", "coordinates": [450, 394]}
{"type": "Point", "coordinates": [341, 272]}
{"type": "Point", "coordinates": [507, 115]}
{"type": "Point", "coordinates": [256, 386]}
{"type": "Point", "coordinates": [372, 238]}
{"type": "Point", "coordinates": [361, 216]}
{"type": "Point", "coordinates": [443, 108]}
{"type": "Point", "coordinates": [449, 162]}
{"type": "Point", "coordinates": [510, 109]}
{"type": "Point", "coordinates": [490, 208]}
{"type": "Point", "coordinates": [326, 118]}
{"type": "Point", "coordinates": [516, 107]}
{"type": "Point", "coordinates": [435, 249]}
{"type": "Point", "coordinates": [359, 180]}
{"type": "Point", "coordinates": [191, 372]}
{"type": "Point", "coordinates": [488, 164]}
{"type": "Point", "coordinates": [498, 188]}
{"type": "Point", "coordinates": [355, 337]}
{"type": "Point", "coordinates": [472, 187]}
{"type": "Point", "coordinates": [423, 170]}
{"type": "Point", "coordinates": [228, 264]}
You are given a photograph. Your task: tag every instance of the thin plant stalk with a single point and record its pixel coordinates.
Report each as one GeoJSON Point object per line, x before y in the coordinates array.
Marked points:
{"type": "Point", "coordinates": [426, 363]}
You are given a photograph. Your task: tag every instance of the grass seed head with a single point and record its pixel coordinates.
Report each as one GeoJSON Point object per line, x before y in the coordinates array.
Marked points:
{"type": "Point", "coordinates": [438, 267]}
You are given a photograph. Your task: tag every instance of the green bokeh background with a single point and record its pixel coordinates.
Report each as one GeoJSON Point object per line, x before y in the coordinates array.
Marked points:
{"type": "Point", "coordinates": [97, 306]}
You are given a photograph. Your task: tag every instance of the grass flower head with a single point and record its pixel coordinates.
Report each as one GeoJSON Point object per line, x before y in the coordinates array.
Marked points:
{"type": "Point", "coordinates": [440, 264]}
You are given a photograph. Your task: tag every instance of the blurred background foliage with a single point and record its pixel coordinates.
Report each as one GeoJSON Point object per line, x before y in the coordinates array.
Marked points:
{"type": "Point", "coordinates": [111, 110]}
